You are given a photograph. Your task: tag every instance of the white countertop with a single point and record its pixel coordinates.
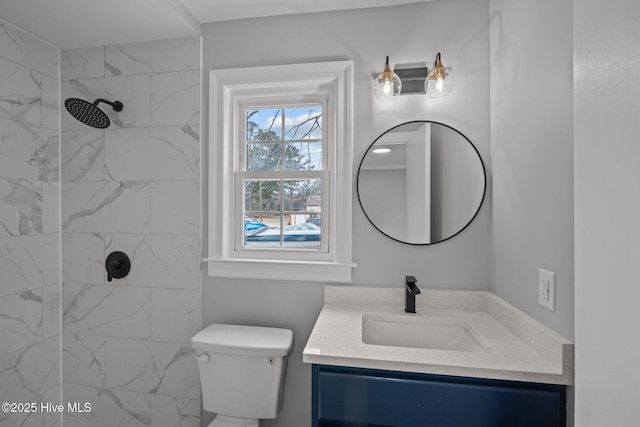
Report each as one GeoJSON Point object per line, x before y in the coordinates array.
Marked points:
{"type": "Point", "coordinates": [518, 347]}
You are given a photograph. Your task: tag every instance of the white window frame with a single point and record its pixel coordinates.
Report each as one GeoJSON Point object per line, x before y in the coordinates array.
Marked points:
{"type": "Point", "coordinates": [322, 174]}
{"type": "Point", "coordinates": [229, 89]}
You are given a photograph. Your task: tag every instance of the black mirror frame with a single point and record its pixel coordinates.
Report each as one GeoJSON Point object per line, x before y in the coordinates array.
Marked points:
{"type": "Point", "coordinates": [484, 190]}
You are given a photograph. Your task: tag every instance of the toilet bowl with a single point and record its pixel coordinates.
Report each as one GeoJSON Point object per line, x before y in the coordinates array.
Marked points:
{"type": "Point", "coordinates": [242, 371]}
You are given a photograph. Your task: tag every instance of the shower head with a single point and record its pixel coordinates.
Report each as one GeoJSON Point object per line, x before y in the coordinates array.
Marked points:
{"type": "Point", "coordinates": [89, 113]}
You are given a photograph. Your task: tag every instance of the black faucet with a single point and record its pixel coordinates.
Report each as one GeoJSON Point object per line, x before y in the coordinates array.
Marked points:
{"type": "Point", "coordinates": [410, 292]}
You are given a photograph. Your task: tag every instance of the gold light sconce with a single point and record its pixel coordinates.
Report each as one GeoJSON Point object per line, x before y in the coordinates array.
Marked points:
{"type": "Point", "coordinates": [387, 85]}
{"type": "Point", "coordinates": [438, 83]}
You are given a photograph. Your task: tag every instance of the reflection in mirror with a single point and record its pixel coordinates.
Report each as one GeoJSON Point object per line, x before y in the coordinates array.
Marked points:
{"type": "Point", "coordinates": [421, 182]}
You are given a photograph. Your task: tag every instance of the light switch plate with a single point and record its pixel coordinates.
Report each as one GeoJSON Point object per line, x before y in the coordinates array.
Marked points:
{"type": "Point", "coordinates": [547, 289]}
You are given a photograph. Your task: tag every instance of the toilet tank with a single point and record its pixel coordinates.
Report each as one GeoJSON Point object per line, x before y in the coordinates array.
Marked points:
{"type": "Point", "coordinates": [242, 369]}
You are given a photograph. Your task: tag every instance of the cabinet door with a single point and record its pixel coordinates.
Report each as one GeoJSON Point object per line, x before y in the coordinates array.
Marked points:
{"type": "Point", "coordinates": [356, 397]}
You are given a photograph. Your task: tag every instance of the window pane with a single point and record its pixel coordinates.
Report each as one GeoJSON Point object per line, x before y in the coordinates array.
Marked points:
{"type": "Point", "coordinates": [262, 195]}
{"type": "Point", "coordinates": [264, 157]}
{"type": "Point", "coordinates": [264, 124]}
{"type": "Point", "coordinates": [302, 195]}
{"type": "Point", "coordinates": [283, 212]}
{"type": "Point", "coordinates": [303, 123]}
{"type": "Point", "coordinates": [263, 231]}
{"type": "Point", "coordinates": [303, 156]}
{"type": "Point", "coordinates": [304, 235]}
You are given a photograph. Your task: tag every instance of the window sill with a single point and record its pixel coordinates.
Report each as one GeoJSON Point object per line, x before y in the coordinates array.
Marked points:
{"type": "Point", "coordinates": [280, 270]}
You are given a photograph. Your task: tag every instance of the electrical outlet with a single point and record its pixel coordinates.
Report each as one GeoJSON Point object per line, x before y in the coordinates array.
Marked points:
{"type": "Point", "coordinates": [547, 289]}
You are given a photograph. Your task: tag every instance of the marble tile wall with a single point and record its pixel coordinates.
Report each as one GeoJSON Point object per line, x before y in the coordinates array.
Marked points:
{"type": "Point", "coordinates": [133, 187]}
{"type": "Point", "coordinates": [29, 226]}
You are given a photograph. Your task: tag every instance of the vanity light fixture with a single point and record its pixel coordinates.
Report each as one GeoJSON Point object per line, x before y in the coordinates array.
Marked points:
{"type": "Point", "coordinates": [387, 85]}
{"type": "Point", "coordinates": [438, 83]}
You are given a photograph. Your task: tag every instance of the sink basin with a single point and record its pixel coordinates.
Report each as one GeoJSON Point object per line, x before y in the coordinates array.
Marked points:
{"type": "Point", "coordinates": [430, 333]}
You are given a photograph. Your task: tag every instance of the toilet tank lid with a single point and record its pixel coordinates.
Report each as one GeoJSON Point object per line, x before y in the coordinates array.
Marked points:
{"type": "Point", "coordinates": [244, 340]}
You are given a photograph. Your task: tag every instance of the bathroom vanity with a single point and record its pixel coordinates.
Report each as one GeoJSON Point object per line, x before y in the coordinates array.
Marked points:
{"type": "Point", "coordinates": [345, 396]}
{"type": "Point", "coordinates": [463, 359]}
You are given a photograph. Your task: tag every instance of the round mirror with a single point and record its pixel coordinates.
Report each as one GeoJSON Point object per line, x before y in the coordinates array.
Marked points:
{"type": "Point", "coordinates": [421, 182]}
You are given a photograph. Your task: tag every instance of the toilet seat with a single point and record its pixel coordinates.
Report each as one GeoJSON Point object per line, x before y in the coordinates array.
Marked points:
{"type": "Point", "coordinates": [224, 421]}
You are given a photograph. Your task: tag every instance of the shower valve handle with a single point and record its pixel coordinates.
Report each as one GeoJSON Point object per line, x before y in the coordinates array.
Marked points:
{"type": "Point", "coordinates": [117, 265]}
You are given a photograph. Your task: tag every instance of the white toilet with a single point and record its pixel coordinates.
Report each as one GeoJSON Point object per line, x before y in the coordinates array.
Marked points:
{"type": "Point", "coordinates": [242, 372]}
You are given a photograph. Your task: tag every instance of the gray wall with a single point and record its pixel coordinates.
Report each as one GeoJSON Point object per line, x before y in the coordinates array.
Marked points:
{"type": "Point", "coordinates": [409, 34]}
{"type": "Point", "coordinates": [532, 155]}
{"type": "Point", "coordinates": [607, 208]}
{"type": "Point", "coordinates": [29, 226]}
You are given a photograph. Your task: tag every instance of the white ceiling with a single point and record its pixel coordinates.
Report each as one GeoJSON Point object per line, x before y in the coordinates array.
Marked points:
{"type": "Point", "coordinates": [69, 24]}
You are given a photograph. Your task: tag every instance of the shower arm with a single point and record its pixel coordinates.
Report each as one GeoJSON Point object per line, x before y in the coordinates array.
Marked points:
{"type": "Point", "coordinates": [117, 105]}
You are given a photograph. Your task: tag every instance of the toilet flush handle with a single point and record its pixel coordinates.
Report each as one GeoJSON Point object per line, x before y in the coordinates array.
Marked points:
{"type": "Point", "coordinates": [203, 357]}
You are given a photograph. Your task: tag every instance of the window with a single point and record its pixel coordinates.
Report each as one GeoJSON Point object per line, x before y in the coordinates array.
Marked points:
{"type": "Point", "coordinates": [280, 172]}
{"type": "Point", "coordinates": [282, 168]}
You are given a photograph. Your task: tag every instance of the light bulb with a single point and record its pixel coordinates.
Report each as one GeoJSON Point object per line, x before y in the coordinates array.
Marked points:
{"type": "Point", "coordinates": [382, 150]}
{"type": "Point", "coordinates": [387, 88]}
{"type": "Point", "coordinates": [440, 81]}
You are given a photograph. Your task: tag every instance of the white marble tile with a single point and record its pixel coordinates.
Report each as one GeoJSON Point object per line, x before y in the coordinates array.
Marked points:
{"type": "Point", "coordinates": [110, 207]}
{"type": "Point", "coordinates": [175, 207]}
{"type": "Point", "coordinates": [20, 207]}
{"type": "Point", "coordinates": [175, 98]}
{"type": "Point", "coordinates": [53, 396]}
{"type": "Point", "coordinates": [83, 258]}
{"type": "Point", "coordinates": [50, 207]}
{"type": "Point", "coordinates": [166, 261]}
{"type": "Point", "coordinates": [27, 50]}
{"type": "Point", "coordinates": [21, 316]}
{"type": "Point", "coordinates": [153, 57]}
{"type": "Point", "coordinates": [26, 374]}
{"type": "Point", "coordinates": [14, 379]}
{"type": "Point", "coordinates": [108, 407]}
{"type": "Point", "coordinates": [132, 91]}
{"type": "Point", "coordinates": [175, 314]}
{"type": "Point", "coordinates": [152, 153]}
{"type": "Point", "coordinates": [49, 246]}
{"type": "Point", "coordinates": [47, 158]}
{"type": "Point", "coordinates": [28, 262]}
{"type": "Point", "coordinates": [29, 375]}
{"type": "Point", "coordinates": [46, 363]}
{"type": "Point", "coordinates": [152, 367]}
{"type": "Point", "coordinates": [84, 360]}
{"type": "Point", "coordinates": [28, 151]}
{"type": "Point", "coordinates": [20, 93]}
{"type": "Point", "coordinates": [51, 311]}
{"type": "Point", "coordinates": [116, 311]}
{"type": "Point", "coordinates": [82, 63]}
{"type": "Point", "coordinates": [50, 99]}
{"type": "Point", "coordinates": [82, 155]}
{"type": "Point", "coordinates": [167, 411]}
{"type": "Point", "coordinates": [22, 419]}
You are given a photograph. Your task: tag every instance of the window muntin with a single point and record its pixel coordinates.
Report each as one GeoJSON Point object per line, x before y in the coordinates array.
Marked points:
{"type": "Point", "coordinates": [281, 173]}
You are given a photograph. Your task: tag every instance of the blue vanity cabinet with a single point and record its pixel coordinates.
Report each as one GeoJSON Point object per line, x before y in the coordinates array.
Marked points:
{"type": "Point", "coordinates": [355, 397]}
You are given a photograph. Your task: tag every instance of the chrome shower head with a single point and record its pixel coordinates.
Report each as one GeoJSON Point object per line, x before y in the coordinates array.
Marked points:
{"type": "Point", "coordinates": [89, 113]}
